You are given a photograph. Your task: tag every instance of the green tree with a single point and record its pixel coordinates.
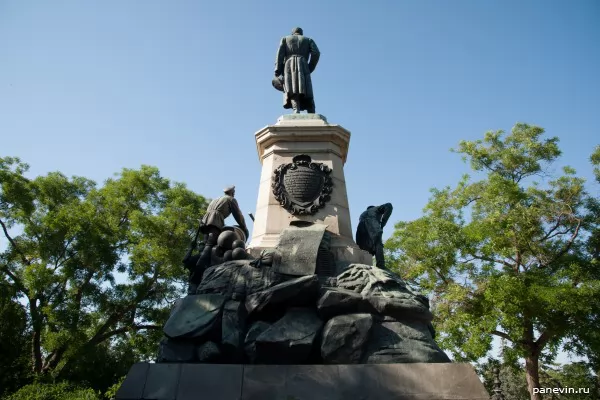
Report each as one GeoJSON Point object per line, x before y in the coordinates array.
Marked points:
{"type": "Point", "coordinates": [513, 382]}
{"type": "Point", "coordinates": [14, 365]}
{"type": "Point", "coordinates": [95, 266]}
{"type": "Point", "coordinates": [54, 391]}
{"type": "Point", "coordinates": [106, 364]}
{"type": "Point", "coordinates": [587, 342]}
{"type": "Point", "coordinates": [512, 378]}
{"type": "Point", "coordinates": [506, 255]}
{"type": "Point", "coordinates": [575, 375]}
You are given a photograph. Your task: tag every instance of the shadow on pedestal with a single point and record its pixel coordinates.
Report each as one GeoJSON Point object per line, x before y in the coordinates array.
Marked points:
{"type": "Point", "coordinates": [302, 382]}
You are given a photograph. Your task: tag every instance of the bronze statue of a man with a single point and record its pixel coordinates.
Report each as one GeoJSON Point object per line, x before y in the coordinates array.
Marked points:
{"type": "Point", "coordinates": [216, 213]}
{"type": "Point", "coordinates": [370, 229]}
{"type": "Point", "coordinates": [297, 58]}
{"type": "Point", "coordinates": [211, 226]}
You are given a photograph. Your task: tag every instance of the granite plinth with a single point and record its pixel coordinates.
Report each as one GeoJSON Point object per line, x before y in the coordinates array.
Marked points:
{"type": "Point", "coordinates": [302, 382]}
{"type": "Point", "coordinates": [325, 143]}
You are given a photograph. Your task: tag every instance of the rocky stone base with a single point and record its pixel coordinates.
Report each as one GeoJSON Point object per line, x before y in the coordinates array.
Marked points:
{"type": "Point", "coordinates": [302, 382]}
{"type": "Point", "coordinates": [242, 314]}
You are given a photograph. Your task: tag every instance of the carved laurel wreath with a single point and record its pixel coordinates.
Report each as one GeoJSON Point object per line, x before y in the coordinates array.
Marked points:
{"type": "Point", "coordinates": [294, 206]}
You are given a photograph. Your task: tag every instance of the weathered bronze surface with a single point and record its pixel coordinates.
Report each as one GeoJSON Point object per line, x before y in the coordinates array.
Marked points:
{"type": "Point", "coordinates": [297, 57]}
{"type": "Point", "coordinates": [299, 248]}
{"type": "Point", "coordinates": [221, 208]}
{"type": "Point", "coordinates": [370, 228]}
{"type": "Point", "coordinates": [302, 187]}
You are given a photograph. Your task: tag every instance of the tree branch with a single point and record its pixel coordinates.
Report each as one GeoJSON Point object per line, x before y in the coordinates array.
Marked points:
{"type": "Point", "coordinates": [555, 227]}
{"type": "Point", "coordinates": [124, 218]}
{"type": "Point", "coordinates": [502, 335]}
{"type": "Point", "coordinates": [559, 233]}
{"type": "Point", "coordinates": [124, 329]}
{"type": "Point", "coordinates": [115, 317]}
{"type": "Point", "coordinates": [503, 262]}
{"type": "Point", "coordinates": [567, 246]}
{"type": "Point", "coordinates": [7, 270]}
{"type": "Point", "coordinates": [543, 339]}
{"type": "Point", "coordinates": [103, 332]}
{"type": "Point", "coordinates": [63, 253]}
{"type": "Point", "coordinates": [79, 295]}
{"type": "Point", "coordinates": [442, 277]}
{"type": "Point", "coordinates": [54, 358]}
{"type": "Point", "coordinates": [14, 244]}
{"type": "Point", "coordinates": [473, 200]}
{"type": "Point", "coordinates": [61, 285]}
{"type": "Point", "coordinates": [36, 339]}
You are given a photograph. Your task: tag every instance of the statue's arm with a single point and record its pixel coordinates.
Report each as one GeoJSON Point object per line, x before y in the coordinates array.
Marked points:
{"type": "Point", "coordinates": [279, 59]}
{"type": "Point", "coordinates": [237, 215]}
{"type": "Point", "coordinates": [315, 54]}
{"type": "Point", "coordinates": [386, 209]}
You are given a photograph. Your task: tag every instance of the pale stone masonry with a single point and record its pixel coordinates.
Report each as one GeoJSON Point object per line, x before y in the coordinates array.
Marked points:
{"type": "Point", "coordinates": [326, 143]}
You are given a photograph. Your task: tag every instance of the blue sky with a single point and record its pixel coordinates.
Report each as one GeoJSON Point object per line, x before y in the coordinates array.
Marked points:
{"type": "Point", "coordinates": [90, 87]}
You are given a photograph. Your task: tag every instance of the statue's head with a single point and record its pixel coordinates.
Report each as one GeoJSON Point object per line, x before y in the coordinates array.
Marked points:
{"type": "Point", "coordinates": [230, 190]}
{"type": "Point", "coordinates": [368, 208]}
{"type": "Point", "coordinates": [297, 31]}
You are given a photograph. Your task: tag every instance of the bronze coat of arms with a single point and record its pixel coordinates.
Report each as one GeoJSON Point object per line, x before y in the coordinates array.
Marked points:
{"type": "Point", "coordinates": [302, 187]}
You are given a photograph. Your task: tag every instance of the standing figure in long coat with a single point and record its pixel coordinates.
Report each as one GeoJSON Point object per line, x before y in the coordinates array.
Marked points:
{"type": "Point", "coordinates": [370, 229]}
{"type": "Point", "coordinates": [293, 68]}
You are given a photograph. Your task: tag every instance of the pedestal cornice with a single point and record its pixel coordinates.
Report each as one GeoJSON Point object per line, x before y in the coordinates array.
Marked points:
{"type": "Point", "coordinates": [290, 132]}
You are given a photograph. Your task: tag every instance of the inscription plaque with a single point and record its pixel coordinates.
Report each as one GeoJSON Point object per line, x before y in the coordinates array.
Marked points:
{"type": "Point", "coordinates": [302, 187]}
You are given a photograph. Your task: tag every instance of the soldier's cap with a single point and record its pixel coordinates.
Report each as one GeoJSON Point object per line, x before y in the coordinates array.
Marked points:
{"type": "Point", "coordinates": [297, 30]}
{"type": "Point", "coordinates": [370, 207]}
{"type": "Point", "coordinates": [229, 189]}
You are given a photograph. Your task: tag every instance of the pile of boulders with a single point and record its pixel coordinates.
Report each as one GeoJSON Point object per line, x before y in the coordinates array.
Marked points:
{"type": "Point", "coordinates": [245, 311]}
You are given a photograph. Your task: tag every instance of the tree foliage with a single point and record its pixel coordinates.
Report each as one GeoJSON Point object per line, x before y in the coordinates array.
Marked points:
{"type": "Point", "coordinates": [513, 381]}
{"type": "Point", "coordinates": [508, 254]}
{"type": "Point", "coordinates": [512, 378]}
{"type": "Point", "coordinates": [95, 266]}
{"type": "Point", "coordinates": [54, 391]}
{"type": "Point", "coordinates": [14, 364]}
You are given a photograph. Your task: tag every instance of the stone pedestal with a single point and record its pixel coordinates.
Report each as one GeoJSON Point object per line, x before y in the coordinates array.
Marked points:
{"type": "Point", "coordinates": [302, 382]}
{"type": "Point", "coordinates": [278, 144]}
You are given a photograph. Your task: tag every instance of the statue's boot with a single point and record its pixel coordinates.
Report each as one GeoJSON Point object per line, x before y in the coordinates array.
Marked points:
{"type": "Point", "coordinates": [310, 108]}
{"type": "Point", "coordinates": [295, 105]}
{"type": "Point", "coordinates": [379, 257]}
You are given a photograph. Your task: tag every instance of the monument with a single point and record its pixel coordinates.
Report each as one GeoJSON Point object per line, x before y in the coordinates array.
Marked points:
{"type": "Point", "coordinates": [301, 312]}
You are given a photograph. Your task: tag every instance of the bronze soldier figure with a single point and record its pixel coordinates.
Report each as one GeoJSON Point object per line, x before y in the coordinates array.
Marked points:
{"type": "Point", "coordinates": [293, 68]}
{"type": "Point", "coordinates": [218, 210]}
{"type": "Point", "coordinates": [370, 229]}
{"type": "Point", "coordinates": [211, 225]}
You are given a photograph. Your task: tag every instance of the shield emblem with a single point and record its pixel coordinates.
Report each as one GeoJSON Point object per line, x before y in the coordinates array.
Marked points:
{"type": "Point", "coordinates": [302, 186]}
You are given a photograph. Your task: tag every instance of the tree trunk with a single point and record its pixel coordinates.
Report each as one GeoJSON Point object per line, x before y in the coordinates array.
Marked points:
{"type": "Point", "coordinates": [36, 339]}
{"type": "Point", "coordinates": [532, 375]}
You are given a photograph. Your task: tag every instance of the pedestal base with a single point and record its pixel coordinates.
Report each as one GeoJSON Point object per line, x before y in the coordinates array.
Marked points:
{"type": "Point", "coordinates": [302, 382]}
{"type": "Point", "coordinates": [345, 251]}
